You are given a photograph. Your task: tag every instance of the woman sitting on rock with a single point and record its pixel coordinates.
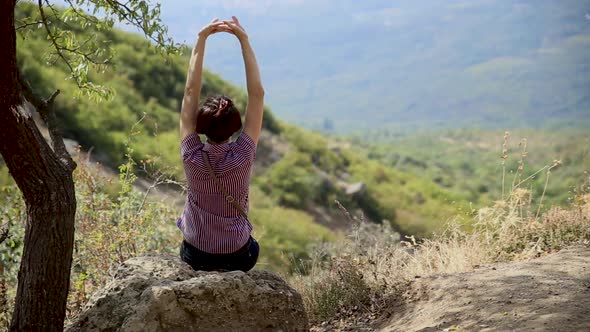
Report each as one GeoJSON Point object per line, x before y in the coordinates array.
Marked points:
{"type": "Point", "coordinates": [215, 225]}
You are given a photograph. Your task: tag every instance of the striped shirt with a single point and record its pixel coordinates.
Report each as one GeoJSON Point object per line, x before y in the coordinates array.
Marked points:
{"type": "Point", "coordinates": [209, 222]}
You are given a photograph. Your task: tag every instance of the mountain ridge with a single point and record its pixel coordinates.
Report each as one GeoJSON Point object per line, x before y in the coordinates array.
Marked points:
{"type": "Point", "coordinates": [407, 66]}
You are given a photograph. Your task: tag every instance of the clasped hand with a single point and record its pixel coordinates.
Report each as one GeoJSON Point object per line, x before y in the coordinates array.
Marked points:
{"type": "Point", "coordinates": [234, 27]}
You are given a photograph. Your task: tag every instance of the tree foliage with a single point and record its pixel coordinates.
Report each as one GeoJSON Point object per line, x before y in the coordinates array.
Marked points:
{"type": "Point", "coordinates": [79, 34]}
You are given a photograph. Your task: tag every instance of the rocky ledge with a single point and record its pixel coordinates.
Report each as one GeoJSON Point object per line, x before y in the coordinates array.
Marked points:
{"type": "Point", "coordinates": [161, 293]}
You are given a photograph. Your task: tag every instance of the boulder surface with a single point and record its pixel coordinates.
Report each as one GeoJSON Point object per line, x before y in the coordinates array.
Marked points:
{"type": "Point", "coordinates": [162, 293]}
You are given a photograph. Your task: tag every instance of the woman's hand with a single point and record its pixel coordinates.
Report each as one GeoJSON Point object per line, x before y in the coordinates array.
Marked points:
{"type": "Point", "coordinates": [236, 29]}
{"type": "Point", "coordinates": [214, 27]}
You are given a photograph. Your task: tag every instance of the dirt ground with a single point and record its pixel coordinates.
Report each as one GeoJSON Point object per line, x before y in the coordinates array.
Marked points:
{"type": "Point", "coordinates": [551, 293]}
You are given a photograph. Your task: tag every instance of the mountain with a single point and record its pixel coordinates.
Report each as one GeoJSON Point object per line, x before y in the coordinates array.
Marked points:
{"type": "Point", "coordinates": [409, 65]}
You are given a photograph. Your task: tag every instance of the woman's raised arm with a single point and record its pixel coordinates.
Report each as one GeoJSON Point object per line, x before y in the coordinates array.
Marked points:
{"type": "Point", "coordinates": [255, 107]}
{"type": "Point", "coordinates": [192, 90]}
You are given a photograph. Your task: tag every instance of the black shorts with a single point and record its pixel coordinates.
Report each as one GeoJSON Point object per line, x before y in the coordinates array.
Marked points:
{"type": "Point", "coordinates": [243, 259]}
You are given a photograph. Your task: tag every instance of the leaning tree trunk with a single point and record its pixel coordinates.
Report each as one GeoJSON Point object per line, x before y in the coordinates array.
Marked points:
{"type": "Point", "coordinates": [44, 176]}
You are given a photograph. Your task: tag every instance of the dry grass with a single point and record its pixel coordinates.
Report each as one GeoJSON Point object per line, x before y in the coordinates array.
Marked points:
{"type": "Point", "coordinates": [372, 263]}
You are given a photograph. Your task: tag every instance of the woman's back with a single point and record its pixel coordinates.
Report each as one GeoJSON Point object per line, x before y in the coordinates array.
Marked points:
{"type": "Point", "coordinates": [210, 222]}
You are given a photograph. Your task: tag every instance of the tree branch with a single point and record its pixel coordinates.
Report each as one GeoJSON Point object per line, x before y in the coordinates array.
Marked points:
{"type": "Point", "coordinates": [54, 42]}
{"type": "Point", "coordinates": [45, 109]}
{"type": "Point", "coordinates": [86, 56]}
{"type": "Point", "coordinates": [60, 48]}
{"type": "Point", "coordinates": [129, 15]}
{"type": "Point", "coordinates": [26, 24]}
{"type": "Point", "coordinates": [79, 13]}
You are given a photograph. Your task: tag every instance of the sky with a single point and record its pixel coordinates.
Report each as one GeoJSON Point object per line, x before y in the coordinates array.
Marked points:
{"type": "Point", "coordinates": [277, 28]}
{"type": "Point", "coordinates": [184, 19]}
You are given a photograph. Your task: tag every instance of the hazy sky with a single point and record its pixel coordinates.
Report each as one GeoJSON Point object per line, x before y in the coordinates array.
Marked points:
{"type": "Point", "coordinates": [185, 18]}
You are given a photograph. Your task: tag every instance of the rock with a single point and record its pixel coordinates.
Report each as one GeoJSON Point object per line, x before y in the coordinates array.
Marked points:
{"type": "Point", "coordinates": [355, 189]}
{"type": "Point", "coordinates": [419, 198]}
{"type": "Point", "coordinates": [71, 146]}
{"type": "Point", "coordinates": [162, 293]}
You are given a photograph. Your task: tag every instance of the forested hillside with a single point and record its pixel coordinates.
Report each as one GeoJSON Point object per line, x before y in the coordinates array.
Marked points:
{"type": "Point", "coordinates": [470, 161]}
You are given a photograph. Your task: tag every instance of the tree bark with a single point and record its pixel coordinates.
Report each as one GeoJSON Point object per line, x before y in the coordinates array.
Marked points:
{"type": "Point", "coordinates": [45, 180]}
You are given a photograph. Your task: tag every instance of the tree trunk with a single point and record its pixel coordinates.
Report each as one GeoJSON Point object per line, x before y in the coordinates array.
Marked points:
{"type": "Point", "coordinates": [45, 180]}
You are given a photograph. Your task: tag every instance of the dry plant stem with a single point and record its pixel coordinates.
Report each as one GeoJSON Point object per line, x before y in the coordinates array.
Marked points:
{"type": "Point", "coordinates": [503, 178]}
{"type": "Point", "coordinates": [555, 164]}
{"type": "Point", "coordinates": [523, 155]}
{"type": "Point", "coordinates": [543, 194]}
{"type": "Point", "coordinates": [504, 158]}
{"type": "Point", "coordinates": [532, 175]}
{"type": "Point", "coordinates": [346, 213]}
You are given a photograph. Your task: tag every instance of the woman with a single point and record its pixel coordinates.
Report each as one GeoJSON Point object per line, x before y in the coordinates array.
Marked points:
{"type": "Point", "coordinates": [215, 226]}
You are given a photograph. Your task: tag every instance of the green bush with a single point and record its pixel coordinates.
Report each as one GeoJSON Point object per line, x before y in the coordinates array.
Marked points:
{"type": "Point", "coordinates": [292, 181]}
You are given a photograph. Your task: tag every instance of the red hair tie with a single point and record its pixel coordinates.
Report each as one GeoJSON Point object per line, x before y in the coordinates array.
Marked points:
{"type": "Point", "coordinates": [223, 104]}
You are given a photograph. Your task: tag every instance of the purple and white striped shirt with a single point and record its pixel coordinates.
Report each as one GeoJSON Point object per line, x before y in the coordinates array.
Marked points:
{"type": "Point", "coordinates": [209, 222]}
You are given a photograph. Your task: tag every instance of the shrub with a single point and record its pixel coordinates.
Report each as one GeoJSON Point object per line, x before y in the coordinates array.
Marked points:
{"type": "Point", "coordinates": [286, 236]}
{"type": "Point", "coordinates": [12, 218]}
{"type": "Point", "coordinates": [111, 229]}
{"type": "Point", "coordinates": [292, 181]}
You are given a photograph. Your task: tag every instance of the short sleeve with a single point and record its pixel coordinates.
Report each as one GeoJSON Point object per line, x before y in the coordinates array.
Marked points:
{"type": "Point", "coordinates": [246, 146]}
{"type": "Point", "coordinates": [190, 145]}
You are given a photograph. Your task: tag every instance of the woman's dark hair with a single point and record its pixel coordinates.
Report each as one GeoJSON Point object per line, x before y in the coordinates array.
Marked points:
{"type": "Point", "coordinates": [218, 118]}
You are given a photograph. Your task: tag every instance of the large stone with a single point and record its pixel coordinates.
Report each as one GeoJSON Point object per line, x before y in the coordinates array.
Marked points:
{"type": "Point", "coordinates": [355, 189]}
{"type": "Point", "coordinates": [161, 293]}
